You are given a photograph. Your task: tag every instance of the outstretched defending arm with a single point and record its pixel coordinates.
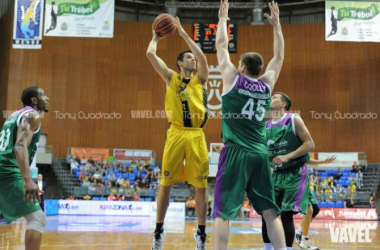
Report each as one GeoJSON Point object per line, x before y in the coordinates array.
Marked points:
{"type": "Point", "coordinates": [227, 69]}
{"type": "Point", "coordinates": [274, 66]}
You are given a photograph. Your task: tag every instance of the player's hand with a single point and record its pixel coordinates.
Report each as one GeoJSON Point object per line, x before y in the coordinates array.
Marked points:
{"type": "Point", "coordinates": [279, 159]}
{"type": "Point", "coordinates": [180, 29]}
{"type": "Point", "coordinates": [156, 37]}
{"type": "Point", "coordinates": [329, 159]}
{"type": "Point", "coordinates": [274, 18]}
{"type": "Point", "coordinates": [31, 192]}
{"type": "Point", "coordinates": [223, 10]}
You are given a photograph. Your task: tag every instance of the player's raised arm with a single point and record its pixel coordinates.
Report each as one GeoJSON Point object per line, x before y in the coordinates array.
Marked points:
{"type": "Point", "coordinates": [202, 66]}
{"type": "Point", "coordinates": [227, 69]}
{"type": "Point", "coordinates": [158, 64]}
{"type": "Point", "coordinates": [274, 66]}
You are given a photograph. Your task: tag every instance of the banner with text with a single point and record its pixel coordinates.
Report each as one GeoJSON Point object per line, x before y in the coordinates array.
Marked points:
{"type": "Point", "coordinates": [132, 155]}
{"type": "Point", "coordinates": [356, 21]}
{"type": "Point", "coordinates": [79, 18]}
{"type": "Point", "coordinates": [122, 208]}
{"type": "Point", "coordinates": [97, 154]}
{"type": "Point", "coordinates": [27, 24]}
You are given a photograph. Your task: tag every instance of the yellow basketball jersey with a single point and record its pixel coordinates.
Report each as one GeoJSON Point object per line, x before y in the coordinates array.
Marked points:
{"type": "Point", "coordinates": [186, 103]}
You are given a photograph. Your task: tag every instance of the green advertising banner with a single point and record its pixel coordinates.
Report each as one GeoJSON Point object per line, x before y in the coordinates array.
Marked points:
{"type": "Point", "coordinates": [356, 21]}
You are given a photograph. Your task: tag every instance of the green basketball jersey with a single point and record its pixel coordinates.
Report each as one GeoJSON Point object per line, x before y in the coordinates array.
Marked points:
{"type": "Point", "coordinates": [8, 136]}
{"type": "Point", "coordinates": [244, 109]}
{"type": "Point", "coordinates": [282, 139]}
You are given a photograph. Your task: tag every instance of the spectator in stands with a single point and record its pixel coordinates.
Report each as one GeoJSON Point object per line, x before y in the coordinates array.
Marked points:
{"type": "Point", "coordinates": [355, 167]}
{"type": "Point", "coordinates": [82, 175]}
{"type": "Point", "coordinates": [339, 174]}
{"type": "Point", "coordinates": [138, 177]}
{"type": "Point", "coordinates": [372, 200]}
{"type": "Point", "coordinates": [97, 175]}
{"type": "Point", "coordinates": [119, 197]}
{"type": "Point", "coordinates": [359, 179]}
{"type": "Point", "coordinates": [119, 181]}
{"type": "Point", "coordinates": [349, 203]}
{"type": "Point", "coordinates": [328, 194]}
{"type": "Point", "coordinates": [330, 182]}
{"type": "Point", "coordinates": [136, 197]}
{"type": "Point", "coordinates": [70, 198]}
{"type": "Point", "coordinates": [130, 169]}
{"type": "Point", "coordinates": [351, 190]}
{"type": "Point", "coordinates": [111, 197]}
{"type": "Point", "coordinates": [190, 206]}
{"type": "Point", "coordinates": [124, 169]}
{"type": "Point", "coordinates": [342, 193]}
{"type": "Point", "coordinates": [91, 161]}
{"type": "Point", "coordinates": [77, 159]}
{"type": "Point", "coordinates": [83, 161]}
{"type": "Point", "coordinates": [362, 167]}
{"type": "Point", "coordinates": [133, 165]}
{"type": "Point", "coordinates": [86, 182]}
{"type": "Point", "coordinates": [111, 178]}
{"type": "Point", "coordinates": [324, 184]}
{"type": "Point", "coordinates": [73, 165]}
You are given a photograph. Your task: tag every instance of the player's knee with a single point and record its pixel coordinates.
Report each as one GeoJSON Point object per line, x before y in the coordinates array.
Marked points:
{"type": "Point", "coordinates": [36, 221]}
{"type": "Point", "coordinates": [315, 210]}
{"type": "Point", "coordinates": [310, 209]}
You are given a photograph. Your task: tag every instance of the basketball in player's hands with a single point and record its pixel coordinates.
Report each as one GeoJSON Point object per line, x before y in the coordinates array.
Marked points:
{"type": "Point", "coordinates": [164, 25]}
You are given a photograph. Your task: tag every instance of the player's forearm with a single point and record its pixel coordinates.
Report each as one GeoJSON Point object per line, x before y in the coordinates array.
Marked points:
{"type": "Point", "coordinates": [152, 48]}
{"type": "Point", "coordinates": [315, 162]}
{"type": "Point", "coordinates": [21, 153]}
{"type": "Point", "coordinates": [221, 40]}
{"type": "Point", "coordinates": [305, 148]}
{"type": "Point", "coordinates": [279, 43]}
{"type": "Point", "coordinates": [195, 49]}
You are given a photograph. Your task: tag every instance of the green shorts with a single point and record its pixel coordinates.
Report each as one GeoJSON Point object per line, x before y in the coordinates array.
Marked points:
{"type": "Point", "coordinates": [240, 172]}
{"type": "Point", "coordinates": [12, 204]}
{"type": "Point", "coordinates": [312, 199]}
{"type": "Point", "coordinates": [291, 189]}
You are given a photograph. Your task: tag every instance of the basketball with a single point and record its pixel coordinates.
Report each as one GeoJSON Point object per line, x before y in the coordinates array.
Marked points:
{"type": "Point", "coordinates": [164, 25]}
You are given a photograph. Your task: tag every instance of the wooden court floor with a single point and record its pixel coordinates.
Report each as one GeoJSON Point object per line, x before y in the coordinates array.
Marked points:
{"type": "Point", "coordinates": [116, 232]}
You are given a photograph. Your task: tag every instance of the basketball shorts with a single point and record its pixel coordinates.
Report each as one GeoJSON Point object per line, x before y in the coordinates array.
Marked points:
{"type": "Point", "coordinates": [242, 172]}
{"type": "Point", "coordinates": [12, 203]}
{"type": "Point", "coordinates": [291, 189]}
{"type": "Point", "coordinates": [185, 157]}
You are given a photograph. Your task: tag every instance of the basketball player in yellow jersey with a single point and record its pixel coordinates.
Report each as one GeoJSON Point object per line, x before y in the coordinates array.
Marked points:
{"type": "Point", "coordinates": [186, 107]}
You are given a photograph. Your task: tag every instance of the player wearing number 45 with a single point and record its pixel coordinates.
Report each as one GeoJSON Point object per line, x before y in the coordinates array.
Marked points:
{"type": "Point", "coordinates": [186, 107]}
{"type": "Point", "coordinates": [244, 161]}
{"type": "Point", "coordinates": [19, 195]}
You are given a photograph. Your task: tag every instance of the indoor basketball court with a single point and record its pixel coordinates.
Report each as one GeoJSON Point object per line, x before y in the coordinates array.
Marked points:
{"type": "Point", "coordinates": [93, 58]}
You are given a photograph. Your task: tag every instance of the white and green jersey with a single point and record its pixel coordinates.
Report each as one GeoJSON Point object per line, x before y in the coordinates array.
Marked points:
{"type": "Point", "coordinates": [282, 139]}
{"type": "Point", "coordinates": [245, 108]}
{"type": "Point", "coordinates": [8, 137]}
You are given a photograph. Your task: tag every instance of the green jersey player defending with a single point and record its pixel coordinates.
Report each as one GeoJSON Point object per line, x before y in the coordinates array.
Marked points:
{"type": "Point", "coordinates": [19, 194]}
{"type": "Point", "coordinates": [244, 165]}
{"type": "Point", "coordinates": [289, 143]}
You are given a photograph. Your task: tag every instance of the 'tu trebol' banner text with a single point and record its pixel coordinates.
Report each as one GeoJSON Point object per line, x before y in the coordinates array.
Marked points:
{"type": "Point", "coordinates": [79, 18]}
{"type": "Point", "coordinates": [356, 21]}
{"type": "Point", "coordinates": [27, 24]}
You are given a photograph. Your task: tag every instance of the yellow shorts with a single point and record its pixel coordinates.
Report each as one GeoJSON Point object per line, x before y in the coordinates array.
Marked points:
{"type": "Point", "coordinates": [185, 144]}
